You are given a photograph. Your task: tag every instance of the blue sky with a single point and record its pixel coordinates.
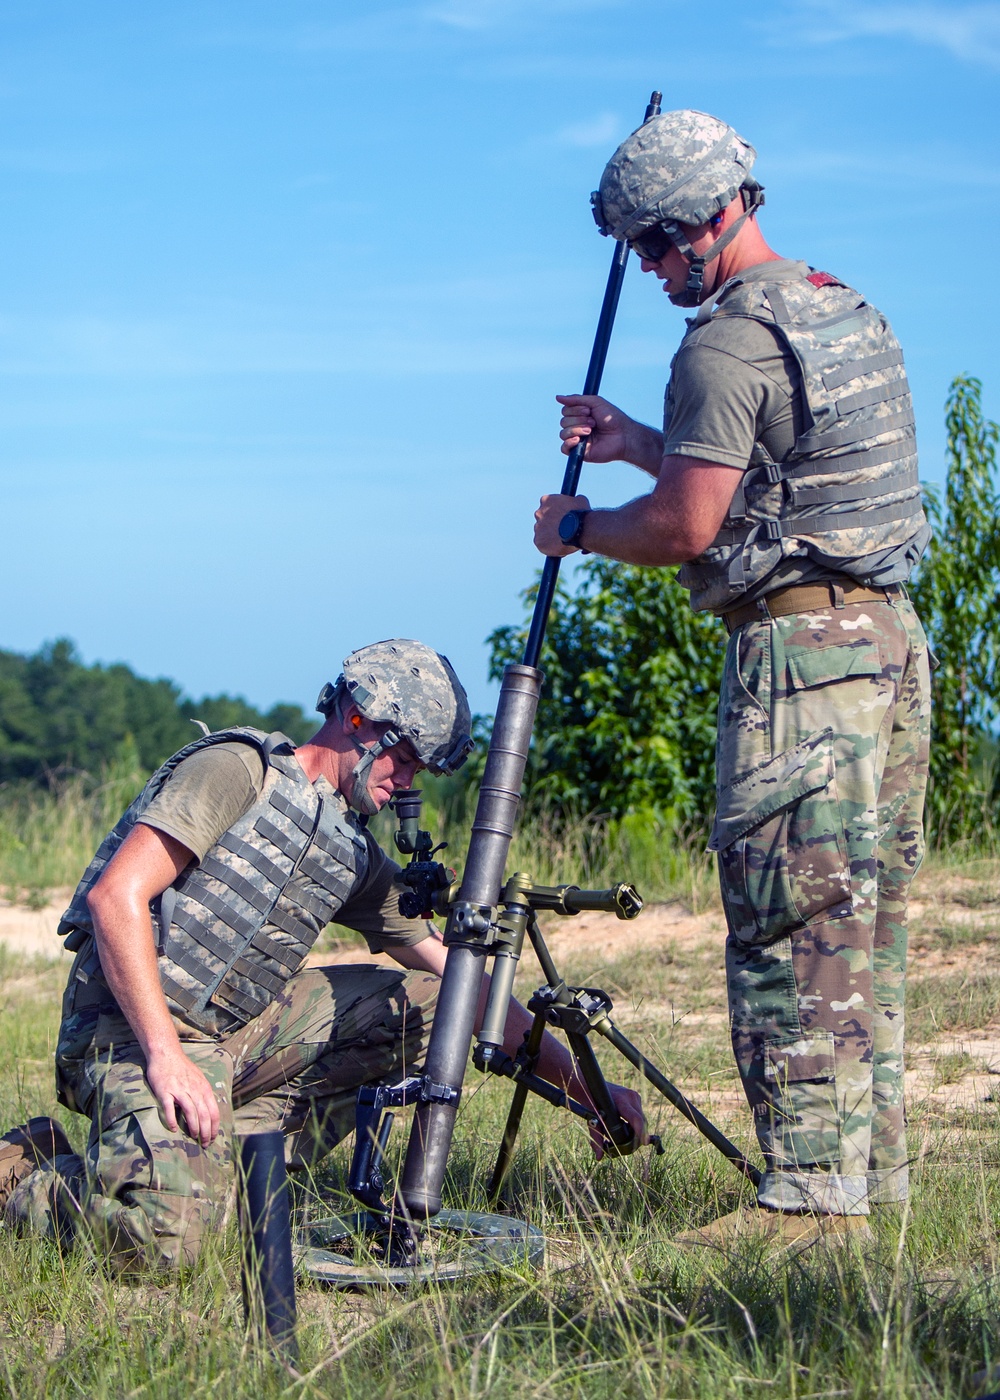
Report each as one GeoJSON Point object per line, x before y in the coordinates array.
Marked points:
{"type": "Point", "coordinates": [286, 290]}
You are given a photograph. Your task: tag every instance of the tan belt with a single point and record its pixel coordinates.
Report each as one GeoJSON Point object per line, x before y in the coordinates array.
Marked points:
{"type": "Point", "coordinates": [839, 592]}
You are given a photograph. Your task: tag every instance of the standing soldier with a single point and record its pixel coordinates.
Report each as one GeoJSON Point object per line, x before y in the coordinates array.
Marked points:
{"type": "Point", "coordinates": [785, 483]}
{"type": "Point", "coordinates": [188, 1019]}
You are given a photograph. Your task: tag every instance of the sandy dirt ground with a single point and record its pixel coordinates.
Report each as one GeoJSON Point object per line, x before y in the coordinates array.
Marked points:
{"type": "Point", "coordinates": [948, 1073]}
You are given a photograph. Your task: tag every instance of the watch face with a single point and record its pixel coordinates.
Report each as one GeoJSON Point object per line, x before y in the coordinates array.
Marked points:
{"type": "Point", "coordinates": [569, 527]}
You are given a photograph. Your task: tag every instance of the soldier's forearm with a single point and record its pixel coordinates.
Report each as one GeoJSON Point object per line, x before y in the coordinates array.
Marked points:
{"type": "Point", "coordinates": [639, 532]}
{"type": "Point", "coordinates": [127, 951]}
{"type": "Point", "coordinates": [644, 447]}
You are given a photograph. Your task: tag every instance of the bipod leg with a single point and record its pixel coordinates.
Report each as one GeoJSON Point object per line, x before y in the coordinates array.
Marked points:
{"type": "Point", "coordinates": [619, 1134]}
{"type": "Point", "coordinates": [674, 1096]}
{"type": "Point", "coordinates": [529, 1055]}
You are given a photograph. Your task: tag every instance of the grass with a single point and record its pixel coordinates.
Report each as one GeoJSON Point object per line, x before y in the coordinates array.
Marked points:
{"type": "Point", "coordinates": [615, 1311]}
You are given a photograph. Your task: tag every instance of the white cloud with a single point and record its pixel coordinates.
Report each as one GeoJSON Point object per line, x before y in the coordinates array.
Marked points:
{"type": "Point", "coordinates": [967, 32]}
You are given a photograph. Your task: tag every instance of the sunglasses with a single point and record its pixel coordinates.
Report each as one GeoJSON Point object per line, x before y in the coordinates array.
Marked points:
{"type": "Point", "coordinates": [653, 244]}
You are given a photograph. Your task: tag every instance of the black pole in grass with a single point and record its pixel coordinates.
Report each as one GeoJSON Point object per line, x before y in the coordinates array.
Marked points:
{"type": "Point", "coordinates": [266, 1229]}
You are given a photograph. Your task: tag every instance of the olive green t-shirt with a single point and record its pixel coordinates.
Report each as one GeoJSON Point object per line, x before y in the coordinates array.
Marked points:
{"type": "Point", "coordinates": [208, 792]}
{"type": "Point", "coordinates": [734, 382]}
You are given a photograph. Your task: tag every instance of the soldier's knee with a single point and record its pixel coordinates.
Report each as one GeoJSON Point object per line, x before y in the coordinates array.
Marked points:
{"type": "Point", "coordinates": [154, 1230]}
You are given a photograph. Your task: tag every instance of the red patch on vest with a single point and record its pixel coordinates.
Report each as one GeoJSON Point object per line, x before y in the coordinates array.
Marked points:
{"type": "Point", "coordinates": [823, 279]}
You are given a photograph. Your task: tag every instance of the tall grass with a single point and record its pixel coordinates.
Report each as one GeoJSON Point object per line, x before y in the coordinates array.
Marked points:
{"type": "Point", "coordinates": [616, 1311]}
{"type": "Point", "coordinates": [47, 835]}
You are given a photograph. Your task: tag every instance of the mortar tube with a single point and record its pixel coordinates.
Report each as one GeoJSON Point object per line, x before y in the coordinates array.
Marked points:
{"type": "Point", "coordinates": [422, 1177]}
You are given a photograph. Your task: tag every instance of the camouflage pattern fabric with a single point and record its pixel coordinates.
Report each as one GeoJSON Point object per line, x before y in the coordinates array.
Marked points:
{"type": "Point", "coordinates": [684, 166]}
{"type": "Point", "coordinates": [415, 689]}
{"type": "Point", "coordinates": [824, 726]}
{"type": "Point", "coordinates": [146, 1196]}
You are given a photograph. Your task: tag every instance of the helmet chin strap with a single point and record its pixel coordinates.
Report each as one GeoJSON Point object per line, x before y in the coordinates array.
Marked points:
{"type": "Point", "coordinates": [359, 798]}
{"type": "Point", "coordinates": [693, 292]}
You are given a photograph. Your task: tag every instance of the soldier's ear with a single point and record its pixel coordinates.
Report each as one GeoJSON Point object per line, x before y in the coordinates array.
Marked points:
{"type": "Point", "coordinates": [352, 719]}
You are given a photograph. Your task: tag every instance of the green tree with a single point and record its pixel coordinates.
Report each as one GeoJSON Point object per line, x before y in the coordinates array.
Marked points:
{"type": "Point", "coordinates": [58, 716]}
{"type": "Point", "coordinates": [956, 592]}
{"type": "Point", "coordinates": [627, 716]}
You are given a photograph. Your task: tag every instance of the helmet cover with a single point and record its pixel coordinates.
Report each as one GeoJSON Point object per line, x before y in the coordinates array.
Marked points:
{"type": "Point", "coordinates": [415, 690]}
{"type": "Point", "coordinates": [685, 166]}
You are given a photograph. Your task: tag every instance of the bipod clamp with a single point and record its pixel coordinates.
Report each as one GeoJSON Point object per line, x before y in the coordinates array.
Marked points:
{"type": "Point", "coordinates": [372, 1126]}
{"type": "Point", "coordinates": [366, 1182]}
{"type": "Point", "coordinates": [575, 1010]}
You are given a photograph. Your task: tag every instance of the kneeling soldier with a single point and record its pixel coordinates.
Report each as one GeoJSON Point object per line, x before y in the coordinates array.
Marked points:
{"type": "Point", "coordinates": [188, 1018]}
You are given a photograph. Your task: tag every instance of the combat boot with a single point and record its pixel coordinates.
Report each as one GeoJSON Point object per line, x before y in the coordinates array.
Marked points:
{"type": "Point", "coordinates": [26, 1148]}
{"type": "Point", "coordinates": [784, 1231]}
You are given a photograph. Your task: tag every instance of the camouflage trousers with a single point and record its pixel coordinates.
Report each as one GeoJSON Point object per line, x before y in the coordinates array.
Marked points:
{"type": "Point", "coordinates": [146, 1195]}
{"type": "Point", "coordinates": [824, 726]}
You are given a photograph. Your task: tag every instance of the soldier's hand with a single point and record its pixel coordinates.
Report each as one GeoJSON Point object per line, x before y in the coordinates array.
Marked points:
{"type": "Point", "coordinates": [629, 1105]}
{"type": "Point", "coordinates": [184, 1094]}
{"type": "Point", "coordinates": [547, 518]}
{"type": "Point", "coordinates": [604, 428]}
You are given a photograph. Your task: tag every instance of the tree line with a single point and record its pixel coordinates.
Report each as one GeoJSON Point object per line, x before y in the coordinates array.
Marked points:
{"type": "Point", "coordinates": [59, 717]}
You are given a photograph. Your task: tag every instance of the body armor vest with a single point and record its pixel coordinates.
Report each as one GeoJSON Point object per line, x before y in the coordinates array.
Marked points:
{"type": "Point", "coordinates": [234, 927]}
{"type": "Point", "coordinates": [848, 489]}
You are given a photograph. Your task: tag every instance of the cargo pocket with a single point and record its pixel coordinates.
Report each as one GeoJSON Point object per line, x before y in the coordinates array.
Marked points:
{"type": "Point", "coordinates": [780, 839]}
{"type": "Point", "coordinates": [802, 1125]}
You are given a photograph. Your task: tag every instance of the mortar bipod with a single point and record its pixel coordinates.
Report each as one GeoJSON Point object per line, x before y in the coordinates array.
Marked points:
{"type": "Point", "coordinates": [578, 1012]}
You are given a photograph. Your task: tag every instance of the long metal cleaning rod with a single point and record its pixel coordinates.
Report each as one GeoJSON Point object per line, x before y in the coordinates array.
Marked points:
{"type": "Point", "coordinates": [574, 465]}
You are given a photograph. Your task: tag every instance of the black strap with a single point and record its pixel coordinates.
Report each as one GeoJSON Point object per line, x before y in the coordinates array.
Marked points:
{"type": "Point", "coordinates": [185, 958]}
{"type": "Point", "coordinates": [201, 934]}
{"type": "Point", "coordinates": [246, 1005]}
{"type": "Point", "coordinates": [853, 491]}
{"type": "Point", "coordinates": [258, 899]}
{"type": "Point", "coordinates": [333, 844]}
{"type": "Point", "coordinates": [817, 524]}
{"type": "Point", "coordinates": [296, 893]}
{"type": "Point", "coordinates": [850, 461]}
{"type": "Point", "coordinates": [229, 916]}
{"type": "Point", "coordinates": [326, 878]}
{"type": "Point", "coordinates": [280, 952]}
{"type": "Point", "coordinates": [183, 996]}
{"type": "Point", "coordinates": [864, 398]}
{"type": "Point", "coordinates": [289, 923]}
{"type": "Point", "coordinates": [259, 976]}
{"type": "Point", "coordinates": [286, 844]}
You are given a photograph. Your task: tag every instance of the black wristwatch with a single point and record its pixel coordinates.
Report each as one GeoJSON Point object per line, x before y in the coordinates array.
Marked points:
{"type": "Point", "coordinates": [571, 528]}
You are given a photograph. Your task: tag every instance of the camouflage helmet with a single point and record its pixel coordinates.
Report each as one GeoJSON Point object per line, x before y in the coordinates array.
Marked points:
{"type": "Point", "coordinates": [414, 690]}
{"type": "Point", "coordinates": [680, 168]}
